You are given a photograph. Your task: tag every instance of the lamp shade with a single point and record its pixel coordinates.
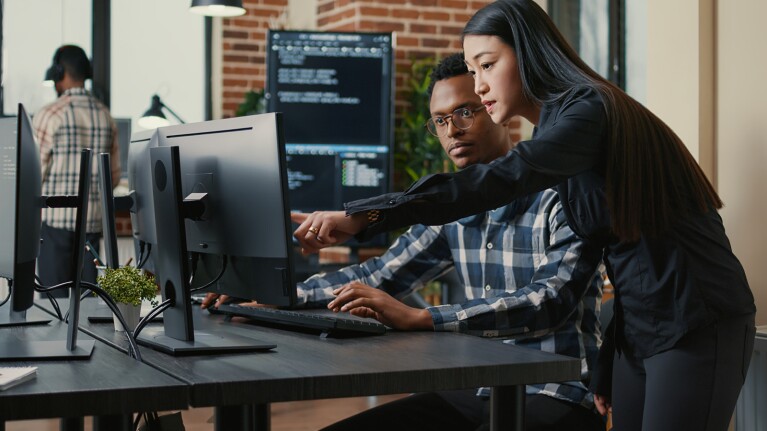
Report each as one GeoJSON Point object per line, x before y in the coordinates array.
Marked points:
{"type": "Point", "coordinates": [153, 117]}
{"type": "Point", "coordinates": [217, 7]}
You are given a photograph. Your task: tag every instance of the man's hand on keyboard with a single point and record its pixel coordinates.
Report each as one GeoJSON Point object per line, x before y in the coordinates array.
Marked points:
{"type": "Point", "coordinates": [214, 300]}
{"type": "Point", "coordinates": [365, 301]}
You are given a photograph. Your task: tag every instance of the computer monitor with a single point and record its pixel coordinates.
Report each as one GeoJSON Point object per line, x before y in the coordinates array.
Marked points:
{"type": "Point", "coordinates": [110, 204]}
{"type": "Point", "coordinates": [140, 185]}
{"type": "Point", "coordinates": [108, 224]}
{"type": "Point", "coordinates": [123, 140]}
{"type": "Point", "coordinates": [20, 216]}
{"type": "Point", "coordinates": [21, 178]}
{"type": "Point", "coordinates": [232, 176]}
{"type": "Point", "coordinates": [335, 93]}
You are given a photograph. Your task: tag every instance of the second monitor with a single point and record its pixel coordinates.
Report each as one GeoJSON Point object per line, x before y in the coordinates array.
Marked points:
{"type": "Point", "coordinates": [237, 219]}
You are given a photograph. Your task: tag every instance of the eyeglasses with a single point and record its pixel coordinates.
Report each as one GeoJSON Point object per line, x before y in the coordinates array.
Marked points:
{"type": "Point", "coordinates": [462, 118]}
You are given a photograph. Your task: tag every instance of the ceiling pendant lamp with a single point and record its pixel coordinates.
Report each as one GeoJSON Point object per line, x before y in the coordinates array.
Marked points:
{"type": "Point", "coordinates": [217, 7]}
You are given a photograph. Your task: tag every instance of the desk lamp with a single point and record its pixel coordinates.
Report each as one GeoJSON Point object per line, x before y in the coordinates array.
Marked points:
{"type": "Point", "coordinates": [154, 116]}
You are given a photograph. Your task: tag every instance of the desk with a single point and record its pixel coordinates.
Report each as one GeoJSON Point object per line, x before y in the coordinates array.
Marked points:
{"type": "Point", "coordinates": [108, 386]}
{"type": "Point", "coordinates": [306, 367]}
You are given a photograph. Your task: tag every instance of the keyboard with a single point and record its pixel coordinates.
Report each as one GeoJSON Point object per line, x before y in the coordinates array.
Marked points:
{"type": "Point", "coordinates": [325, 321]}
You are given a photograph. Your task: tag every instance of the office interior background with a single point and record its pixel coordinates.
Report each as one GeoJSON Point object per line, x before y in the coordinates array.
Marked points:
{"type": "Point", "coordinates": [698, 64]}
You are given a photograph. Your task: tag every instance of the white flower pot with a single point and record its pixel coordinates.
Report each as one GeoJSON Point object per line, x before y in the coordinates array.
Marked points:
{"type": "Point", "coordinates": [131, 314]}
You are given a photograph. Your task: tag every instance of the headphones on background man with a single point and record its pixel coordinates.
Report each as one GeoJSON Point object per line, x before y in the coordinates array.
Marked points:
{"type": "Point", "coordinates": [75, 54]}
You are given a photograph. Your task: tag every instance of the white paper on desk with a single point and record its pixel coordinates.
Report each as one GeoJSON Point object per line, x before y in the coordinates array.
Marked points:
{"type": "Point", "coordinates": [12, 376]}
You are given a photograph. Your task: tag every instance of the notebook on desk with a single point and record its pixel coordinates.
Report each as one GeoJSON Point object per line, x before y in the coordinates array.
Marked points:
{"type": "Point", "coordinates": [323, 321]}
{"type": "Point", "coordinates": [12, 376]}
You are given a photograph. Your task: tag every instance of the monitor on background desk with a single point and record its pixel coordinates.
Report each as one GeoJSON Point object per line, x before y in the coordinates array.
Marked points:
{"type": "Point", "coordinates": [123, 140]}
{"type": "Point", "coordinates": [20, 216]}
{"type": "Point", "coordinates": [335, 92]}
{"type": "Point", "coordinates": [20, 224]}
{"type": "Point", "coordinates": [218, 195]}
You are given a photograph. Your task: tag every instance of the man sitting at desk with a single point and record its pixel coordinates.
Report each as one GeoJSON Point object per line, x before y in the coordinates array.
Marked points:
{"type": "Point", "coordinates": [524, 271]}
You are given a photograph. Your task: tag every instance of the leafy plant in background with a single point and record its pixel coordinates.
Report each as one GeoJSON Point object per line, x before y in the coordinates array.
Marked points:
{"type": "Point", "coordinates": [255, 103]}
{"type": "Point", "coordinates": [418, 153]}
{"type": "Point", "coordinates": [128, 285]}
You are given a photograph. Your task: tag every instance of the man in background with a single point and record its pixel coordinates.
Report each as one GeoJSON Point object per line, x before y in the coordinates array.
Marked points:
{"type": "Point", "coordinates": [74, 121]}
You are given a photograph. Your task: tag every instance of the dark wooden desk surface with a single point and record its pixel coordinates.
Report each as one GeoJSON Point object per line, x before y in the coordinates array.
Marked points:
{"type": "Point", "coordinates": [108, 383]}
{"type": "Point", "coordinates": [305, 367]}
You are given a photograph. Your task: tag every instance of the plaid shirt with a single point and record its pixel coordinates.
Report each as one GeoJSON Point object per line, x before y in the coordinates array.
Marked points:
{"type": "Point", "coordinates": [65, 127]}
{"type": "Point", "coordinates": [526, 275]}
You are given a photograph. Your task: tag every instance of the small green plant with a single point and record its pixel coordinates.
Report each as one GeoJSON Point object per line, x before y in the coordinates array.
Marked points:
{"type": "Point", "coordinates": [128, 285]}
{"type": "Point", "coordinates": [418, 152]}
{"type": "Point", "coordinates": [255, 103]}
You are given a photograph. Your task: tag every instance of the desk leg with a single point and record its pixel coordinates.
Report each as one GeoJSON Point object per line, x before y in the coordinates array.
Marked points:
{"type": "Point", "coordinates": [113, 423]}
{"type": "Point", "coordinates": [507, 408]}
{"type": "Point", "coordinates": [71, 424]}
{"type": "Point", "coordinates": [251, 417]}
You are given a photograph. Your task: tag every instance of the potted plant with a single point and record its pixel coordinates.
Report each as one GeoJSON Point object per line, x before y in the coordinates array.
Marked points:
{"type": "Point", "coordinates": [255, 103]}
{"type": "Point", "coordinates": [418, 152]}
{"type": "Point", "coordinates": [128, 286]}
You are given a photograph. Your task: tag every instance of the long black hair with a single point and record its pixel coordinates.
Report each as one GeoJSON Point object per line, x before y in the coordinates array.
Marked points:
{"type": "Point", "coordinates": [651, 177]}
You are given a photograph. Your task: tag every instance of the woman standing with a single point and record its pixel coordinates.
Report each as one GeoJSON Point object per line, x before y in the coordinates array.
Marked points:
{"type": "Point", "coordinates": [684, 316]}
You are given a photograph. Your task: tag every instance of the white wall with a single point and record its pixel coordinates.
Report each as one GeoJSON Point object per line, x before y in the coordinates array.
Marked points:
{"type": "Point", "coordinates": [302, 15]}
{"type": "Point", "coordinates": [157, 47]}
{"type": "Point", "coordinates": [741, 135]}
{"type": "Point", "coordinates": [31, 34]}
{"type": "Point", "coordinates": [707, 78]}
{"type": "Point", "coordinates": [636, 49]}
{"type": "Point", "coordinates": [679, 82]}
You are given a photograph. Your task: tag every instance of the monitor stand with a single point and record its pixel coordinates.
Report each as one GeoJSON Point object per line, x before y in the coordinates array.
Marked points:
{"type": "Point", "coordinates": [20, 318]}
{"type": "Point", "coordinates": [200, 344]}
{"type": "Point", "coordinates": [52, 348]}
{"type": "Point", "coordinates": [26, 270]}
{"type": "Point", "coordinates": [31, 347]}
{"type": "Point", "coordinates": [178, 336]}
{"type": "Point", "coordinates": [43, 343]}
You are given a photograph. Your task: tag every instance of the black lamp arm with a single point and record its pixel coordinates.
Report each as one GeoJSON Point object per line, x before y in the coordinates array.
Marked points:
{"type": "Point", "coordinates": [173, 113]}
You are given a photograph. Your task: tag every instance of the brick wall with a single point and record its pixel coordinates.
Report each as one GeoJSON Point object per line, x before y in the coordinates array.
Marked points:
{"type": "Point", "coordinates": [243, 49]}
{"type": "Point", "coordinates": [424, 29]}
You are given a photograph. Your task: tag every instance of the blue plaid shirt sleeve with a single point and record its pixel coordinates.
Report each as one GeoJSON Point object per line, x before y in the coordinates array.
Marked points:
{"type": "Point", "coordinates": [558, 284]}
{"type": "Point", "coordinates": [417, 257]}
{"type": "Point", "coordinates": [524, 272]}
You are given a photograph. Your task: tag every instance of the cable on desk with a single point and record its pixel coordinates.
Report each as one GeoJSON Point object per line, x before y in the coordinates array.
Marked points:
{"type": "Point", "coordinates": [142, 258]}
{"type": "Point", "coordinates": [224, 260]}
{"type": "Point", "coordinates": [47, 289]}
{"type": "Point", "coordinates": [151, 315]}
{"type": "Point", "coordinates": [55, 305]}
{"type": "Point", "coordinates": [133, 347]}
{"type": "Point", "coordinates": [95, 288]}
